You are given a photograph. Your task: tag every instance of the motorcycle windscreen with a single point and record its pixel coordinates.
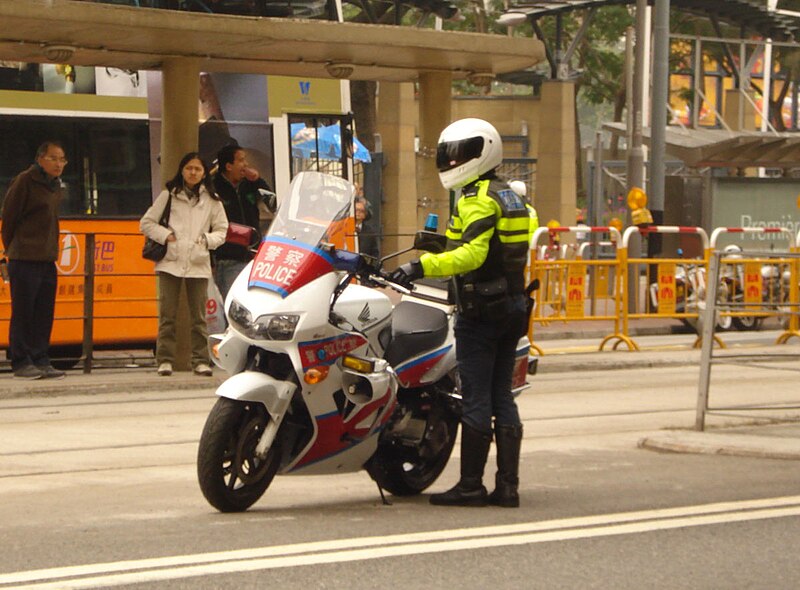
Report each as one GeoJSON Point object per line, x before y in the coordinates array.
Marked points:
{"type": "Point", "coordinates": [318, 211]}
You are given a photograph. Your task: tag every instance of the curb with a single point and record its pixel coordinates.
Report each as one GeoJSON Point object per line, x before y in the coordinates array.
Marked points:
{"type": "Point", "coordinates": [707, 443]}
{"type": "Point", "coordinates": [97, 384]}
{"type": "Point", "coordinates": [543, 334]}
{"type": "Point", "coordinates": [557, 363]}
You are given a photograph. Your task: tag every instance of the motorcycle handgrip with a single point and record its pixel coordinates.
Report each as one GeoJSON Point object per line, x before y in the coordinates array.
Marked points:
{"type": "Point", "coordinates": [384, 281]}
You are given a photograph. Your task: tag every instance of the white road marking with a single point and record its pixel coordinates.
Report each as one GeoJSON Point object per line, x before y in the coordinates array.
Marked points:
{"type": "Point", "coordinates": [102, 575]}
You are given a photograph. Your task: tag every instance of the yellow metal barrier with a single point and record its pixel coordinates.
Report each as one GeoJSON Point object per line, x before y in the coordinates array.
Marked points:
{"type": "Point", "coordinates": [676, 291]}
{"type": "Point", "coordinates": [576, 282]}
{"type": "Point", "coordinates": [754, 288]}
{"type": "Point", "coordinates": [600, 280]}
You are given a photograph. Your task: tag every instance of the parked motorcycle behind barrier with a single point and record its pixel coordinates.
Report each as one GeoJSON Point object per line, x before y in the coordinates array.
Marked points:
{"type": "Point", "coordinates": [689, 281]}
{"type": "Point", "coordinates": [326, 377]}
{"type": "Point", "coordinates": [732, 289]}
{"type": "Point", "coordinates": [690, 294]}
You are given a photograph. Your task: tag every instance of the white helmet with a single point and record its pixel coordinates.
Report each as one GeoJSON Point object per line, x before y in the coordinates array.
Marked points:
{"type": "Point", "coordinates": [467, 149]}
{"type": "Point", "coordinates": [519, 188]}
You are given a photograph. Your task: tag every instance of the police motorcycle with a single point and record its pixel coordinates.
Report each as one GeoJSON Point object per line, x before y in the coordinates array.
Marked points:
{"type": "Point", "coordinates": [326, 376]}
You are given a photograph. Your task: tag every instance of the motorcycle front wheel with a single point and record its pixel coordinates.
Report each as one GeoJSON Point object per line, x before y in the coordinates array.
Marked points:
{"type": "Point", "coordinates": [232, 478]}
{"type": "Point", "coordinates": [406, 470]}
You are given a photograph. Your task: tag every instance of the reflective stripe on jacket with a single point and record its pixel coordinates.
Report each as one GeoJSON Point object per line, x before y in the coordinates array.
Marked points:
{"type": "Point", "coordinates": [534, 218]}
{"type": "Point", "coordinates": [488, 237]}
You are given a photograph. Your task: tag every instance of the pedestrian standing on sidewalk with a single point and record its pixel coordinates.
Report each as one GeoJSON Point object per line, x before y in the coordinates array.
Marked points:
{"type": "Point", "coordinates": [30, 236]}
{"type": "Point", "coordinates": [487, 248]}
{"type": "Point", "coordinates": [367, 241]}
{"type": "Point", "coordinates": [197, 224]}
{"type": "Point", "coordinates": [241, 188]}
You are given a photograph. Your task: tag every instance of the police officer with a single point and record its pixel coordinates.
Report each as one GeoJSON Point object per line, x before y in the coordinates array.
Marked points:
{"type": "Point", "coordinates": [521, 189]}
{"type": "Point", "coordinates": [488, 239]}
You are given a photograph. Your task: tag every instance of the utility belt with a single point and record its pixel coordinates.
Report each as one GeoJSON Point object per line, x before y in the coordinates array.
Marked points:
{"type": "Point", "coordinates": [485, 300]}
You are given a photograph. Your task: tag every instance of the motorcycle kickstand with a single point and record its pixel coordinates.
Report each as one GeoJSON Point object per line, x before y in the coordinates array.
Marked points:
{"type": "Point", "coordinates": [383, 496]}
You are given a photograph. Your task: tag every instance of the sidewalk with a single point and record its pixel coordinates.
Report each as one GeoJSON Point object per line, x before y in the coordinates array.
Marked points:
{"type": "Point", "coordinates": [116, 374]}
{"type": "Point", "coordinates": [781, 441]}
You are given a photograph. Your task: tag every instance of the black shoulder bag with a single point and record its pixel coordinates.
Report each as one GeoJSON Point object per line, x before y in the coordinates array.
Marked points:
{"type": "Point", "coordinates": [152, 250]}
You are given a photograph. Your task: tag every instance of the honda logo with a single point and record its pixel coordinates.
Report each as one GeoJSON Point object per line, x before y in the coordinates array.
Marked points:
{"type": "Point", "coordinates": [365, 315]}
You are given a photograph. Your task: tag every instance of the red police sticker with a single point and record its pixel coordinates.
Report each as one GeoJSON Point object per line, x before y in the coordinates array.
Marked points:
{"type": "Point", "coordinates": [284, 266]}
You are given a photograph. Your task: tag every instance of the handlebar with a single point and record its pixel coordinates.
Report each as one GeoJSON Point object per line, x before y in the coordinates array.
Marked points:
{"type": "Point", "coordinates": [369, 270]}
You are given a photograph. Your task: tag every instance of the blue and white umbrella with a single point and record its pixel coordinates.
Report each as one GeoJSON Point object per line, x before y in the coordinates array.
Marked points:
{"type": "Point", "coordinates": [328, 140]}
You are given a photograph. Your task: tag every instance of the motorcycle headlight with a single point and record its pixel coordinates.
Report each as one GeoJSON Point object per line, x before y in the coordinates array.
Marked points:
{"type": "Point", "coordinates": [239, 316]}
{"type": "Point", "coordinates": [273, 326]}
{"type": "Point", "coordinates": [278, 326]}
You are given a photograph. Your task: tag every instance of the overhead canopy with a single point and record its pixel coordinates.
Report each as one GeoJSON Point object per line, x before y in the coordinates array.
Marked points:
{"type": "Point", "coordinates": [700, 148]}
{"type": "Point", "coordinates": [143, 38]}
{"type": "Point", "coordinates": [751, 15]}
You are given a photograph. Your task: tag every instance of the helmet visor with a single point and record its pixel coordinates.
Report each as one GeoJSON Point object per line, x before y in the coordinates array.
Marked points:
{"type": "Point", "coordinates": [451, 154]}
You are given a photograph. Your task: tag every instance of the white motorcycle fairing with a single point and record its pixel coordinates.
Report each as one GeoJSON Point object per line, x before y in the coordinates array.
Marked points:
{"type": "Point", "coordinates": [254, 386]}
{"type": "Point", "coordinates": [343, 438]}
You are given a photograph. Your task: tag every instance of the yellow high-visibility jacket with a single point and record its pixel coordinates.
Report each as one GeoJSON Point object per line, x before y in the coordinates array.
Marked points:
{"type": "Point", "coordinates": [488, 237]}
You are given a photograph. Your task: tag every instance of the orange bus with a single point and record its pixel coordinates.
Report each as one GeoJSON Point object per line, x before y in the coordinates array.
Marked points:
{"type": "Point", "coordinates": [111, 132]}
{"type": "Point", "coordinates": [108, 188]}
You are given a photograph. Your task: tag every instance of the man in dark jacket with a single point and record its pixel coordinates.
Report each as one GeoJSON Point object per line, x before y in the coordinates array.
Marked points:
{"type": "Point", "coordinates": [30, 236]}
{"type": "Point", "coordinates": [241, 189]}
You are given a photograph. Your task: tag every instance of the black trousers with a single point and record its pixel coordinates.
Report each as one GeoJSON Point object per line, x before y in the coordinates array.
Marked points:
{"type": "Point", "coordinates": [33, 300]}
{"type": "Point", "coordinates": [485, 352]}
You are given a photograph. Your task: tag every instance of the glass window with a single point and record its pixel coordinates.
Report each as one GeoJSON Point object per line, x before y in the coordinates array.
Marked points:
{"type": "Point", "coordinates": [109, 161]}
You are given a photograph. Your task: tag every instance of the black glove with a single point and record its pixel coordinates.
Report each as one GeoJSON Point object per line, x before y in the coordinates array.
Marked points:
{"type": "Point", "coordinates": [407, 273]}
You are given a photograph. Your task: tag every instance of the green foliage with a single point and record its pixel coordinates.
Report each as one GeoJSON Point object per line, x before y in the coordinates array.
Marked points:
{"type": "Point", "coordinates": [600, 56]}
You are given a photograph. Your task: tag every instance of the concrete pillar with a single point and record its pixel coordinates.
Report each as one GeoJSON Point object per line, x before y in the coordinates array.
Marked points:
{"type": "Point", "coordinates": [179, 135]}
{"type": "Point", "coordinates": [179, 125]}
{"type": "Point", "coordinates": [396, 119]}
{"type": "Point", "coordinates": [435, 97]}
{"type": "Point", "coordinates": [556, 182]}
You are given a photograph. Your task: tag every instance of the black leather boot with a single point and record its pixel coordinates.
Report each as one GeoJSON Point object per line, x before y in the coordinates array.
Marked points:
{"type": "Point", "coordinates": [469, 491]}
{"type": "Point", "coordinates": [509, 441]}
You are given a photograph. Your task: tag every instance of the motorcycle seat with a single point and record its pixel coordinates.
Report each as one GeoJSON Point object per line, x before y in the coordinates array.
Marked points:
{"type": "Point", "coordinates": [416, 329]}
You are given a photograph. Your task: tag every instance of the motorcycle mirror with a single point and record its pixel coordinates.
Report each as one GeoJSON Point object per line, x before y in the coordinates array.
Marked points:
{"type": "Point", "coordinates": [429, 241]}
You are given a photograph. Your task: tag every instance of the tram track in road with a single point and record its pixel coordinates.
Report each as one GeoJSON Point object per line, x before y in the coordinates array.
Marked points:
{"type": "Point", "coordinates": [112, 432]}
{"type": "Point", "coordinates": [65, 402]}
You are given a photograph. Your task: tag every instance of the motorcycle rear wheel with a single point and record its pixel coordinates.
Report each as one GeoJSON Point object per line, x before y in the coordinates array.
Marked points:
{"type": "Point", "coordinates": [231, 477]}
{"type": "Point", "coordinates": [405, 470]}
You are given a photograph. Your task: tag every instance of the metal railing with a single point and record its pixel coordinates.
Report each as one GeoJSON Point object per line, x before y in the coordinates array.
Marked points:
{"type": "Point", "coordinates": [83, 297]}
{"type": "Point", "coordinates": [707, 357]}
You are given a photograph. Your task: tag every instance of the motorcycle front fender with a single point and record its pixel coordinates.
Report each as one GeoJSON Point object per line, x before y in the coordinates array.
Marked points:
{"type": "Point", "coordinates": [258, 387]}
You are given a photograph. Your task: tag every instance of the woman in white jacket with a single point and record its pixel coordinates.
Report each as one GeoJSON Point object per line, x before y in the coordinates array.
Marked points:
{"type": "Point", "coordinates": [197, 224]}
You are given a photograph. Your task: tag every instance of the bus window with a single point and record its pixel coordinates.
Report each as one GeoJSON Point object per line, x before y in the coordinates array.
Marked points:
{"type": "Point", "coordinates": [119, 168]}
{"type": "Point", "coordinates": [109, 161]}
{"type": "Point", "coordinates": [19, 138]}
